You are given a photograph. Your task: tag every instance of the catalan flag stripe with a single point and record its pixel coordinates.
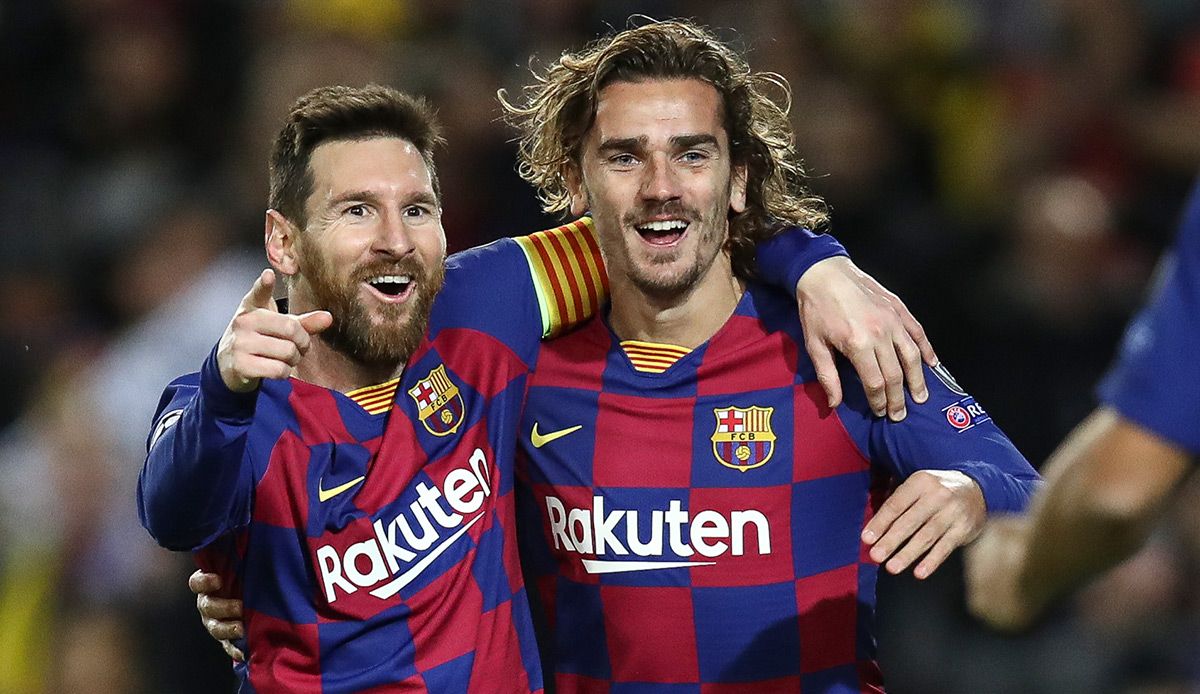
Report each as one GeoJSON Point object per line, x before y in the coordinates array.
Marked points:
{"type": "Point", "coordinates": [441, 381]}
{"type": "Point", "coordinates": [568, 271]}
{"type": "Point", "coordinates": [552, 283]}
{"type": "Point", "coordinates": [568, 274]}
{"type": "Point", "coordinates": [652, 357]}
{"type": "Point", "coordinates": [375, 399]}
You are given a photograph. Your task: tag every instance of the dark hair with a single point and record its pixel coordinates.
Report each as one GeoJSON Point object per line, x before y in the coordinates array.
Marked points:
{"type": "Point", "coordinates": [328, 114]}
{"type": "Point", "coordinates": [561, 108]}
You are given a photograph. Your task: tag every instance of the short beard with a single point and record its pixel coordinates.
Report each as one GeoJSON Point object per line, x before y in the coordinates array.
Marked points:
{"type": "Point", "coordinates": [393, 340]}
{"type": "Point", "coordinates": [669, 286]}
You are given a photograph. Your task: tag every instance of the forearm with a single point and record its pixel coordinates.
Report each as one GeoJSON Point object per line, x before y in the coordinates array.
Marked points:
{"type": "Point", "coordinates": [195, 481]}
{"type": "Point", "coordinates": [783, 259]}
{"type": "Point", "coordinates": [1105, 487]}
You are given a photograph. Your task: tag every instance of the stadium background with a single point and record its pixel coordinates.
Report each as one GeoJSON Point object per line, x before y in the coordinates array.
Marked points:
{"type": "Point", "coordinates": [1012, 169]}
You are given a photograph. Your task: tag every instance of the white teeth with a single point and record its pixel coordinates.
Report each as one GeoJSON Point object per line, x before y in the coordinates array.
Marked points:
{"type": "Point", "coordinates": [390, 279]}
{"type": "Point", "coordinates": [669, 225]}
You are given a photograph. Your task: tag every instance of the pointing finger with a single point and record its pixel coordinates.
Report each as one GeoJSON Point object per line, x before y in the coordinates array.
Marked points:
{"type": "Point", "coordinates": [261, 294]}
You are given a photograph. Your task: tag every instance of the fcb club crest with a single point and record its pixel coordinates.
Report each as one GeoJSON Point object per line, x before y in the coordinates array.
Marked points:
{"type": "Point", "coordinates": [439, 403]}
{"type": "Point", "coordinates": [743, 439]}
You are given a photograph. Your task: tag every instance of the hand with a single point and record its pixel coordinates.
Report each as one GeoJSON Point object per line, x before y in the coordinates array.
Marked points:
{"type": "Point", "coordinates": [262, 343]}
{"type": "Point", "coordinates": [845, 309]}
{"type": "Point", "coordinates": [220, 616]}
{"type": "Point", "coordinates": [993, 568]}
{"type": "Point", "coordinates": [932, 513]}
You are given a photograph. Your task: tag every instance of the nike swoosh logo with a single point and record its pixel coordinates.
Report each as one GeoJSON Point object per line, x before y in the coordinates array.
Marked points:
{"type": "Point", "coordinates": [327, 494]}
{"type": "Point", "coordinates": [540, 440]}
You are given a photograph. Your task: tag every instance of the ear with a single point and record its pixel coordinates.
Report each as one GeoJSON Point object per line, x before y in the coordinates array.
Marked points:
{"type": "Point", "coordinates": [737, 189]}
{"type": "Point", "coordinates": [574, 180]}
{"type": "Point", "coordinates": [280, 240]}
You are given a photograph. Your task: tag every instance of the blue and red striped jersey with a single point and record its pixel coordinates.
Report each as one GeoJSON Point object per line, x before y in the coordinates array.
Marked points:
{"type": "Point", "coordinates": [1156, 379]}
{"type": "Point", "coordinates": [373, 551]}
{"type": "Point", "coordinates": [696, 528]}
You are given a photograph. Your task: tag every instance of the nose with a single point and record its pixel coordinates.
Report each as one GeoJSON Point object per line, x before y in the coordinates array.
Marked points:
{"type": "Point", "coordinates": [393, 237]}
{"type": "Point", "coordinates": [660, 181]}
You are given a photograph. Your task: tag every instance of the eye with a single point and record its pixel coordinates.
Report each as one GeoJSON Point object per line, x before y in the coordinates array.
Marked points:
{"type": "Point", "coordinates": [417, 211]}
{"type": "Point", "coordinates": [625, 159]}
{"type": "Point", "coordinates": [358, 210]}
{"type": "Point", "coordinates": [694, 156]}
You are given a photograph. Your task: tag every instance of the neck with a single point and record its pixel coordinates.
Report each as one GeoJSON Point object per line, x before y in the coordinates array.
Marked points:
{"type": "Point", "coordinates": [687, 318]}
{"type": "Point", "coordinates": [325, 366]}
{"type": "Point", "coordinates": [329, 368]}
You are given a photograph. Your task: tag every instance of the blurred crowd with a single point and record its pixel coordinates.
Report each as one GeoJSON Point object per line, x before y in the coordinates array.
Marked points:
{"type": "Point", "coordinates": [1011, 169]}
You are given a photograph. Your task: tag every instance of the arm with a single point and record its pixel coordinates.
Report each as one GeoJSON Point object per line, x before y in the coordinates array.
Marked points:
{"type": "Point", "coordinates": [196, 482]}
{"type": "Point", "coordinates": [845, 310]}
{"type": "Point", "coordinates": [1105, 486]}
{"type": "Point", "coordinates": [957, 468]}
{"type": "Point", "coordinates": [1108, 480]}
{"type": "Point", "coordinates": [193, 485]}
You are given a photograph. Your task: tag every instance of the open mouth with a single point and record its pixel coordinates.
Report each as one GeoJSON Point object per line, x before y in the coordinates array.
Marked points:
{"type": "Point", "coordinates": [663, 232]}
{"type": "Point", "coordinates": [392, 288]}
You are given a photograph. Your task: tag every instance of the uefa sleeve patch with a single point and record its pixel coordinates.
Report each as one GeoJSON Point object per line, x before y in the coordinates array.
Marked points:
{"type": "Point", "coordinates": [965, 414]}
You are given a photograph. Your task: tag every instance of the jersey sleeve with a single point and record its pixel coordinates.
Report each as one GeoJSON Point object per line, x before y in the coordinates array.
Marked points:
{"type": "Point", "coordinates": [784, 258]}
{"type": "Point", "coordinates": [949, 431]}
{"type": "Point", "coordinates": [196, 483]}
{"type": "Point", "coordinates": [524, 289]}
{"type": "Point", "coordinates": [568, 274]}
{"type": "Point", "coordinates": [1155, 380]}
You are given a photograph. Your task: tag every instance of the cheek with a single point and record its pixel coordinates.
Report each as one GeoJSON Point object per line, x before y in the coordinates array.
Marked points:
{"type": "Point", "coordinates": [431, 243]}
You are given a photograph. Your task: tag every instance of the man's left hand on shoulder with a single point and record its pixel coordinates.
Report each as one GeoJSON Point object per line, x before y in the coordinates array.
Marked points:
{"type": "Point", "coordinates": [844, 309]}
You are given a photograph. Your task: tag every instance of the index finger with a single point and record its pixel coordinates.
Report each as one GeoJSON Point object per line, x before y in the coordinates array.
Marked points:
{"type": "Point", "coordinates": [202, 583]}
{"type": "Point", "coordinates": [262, 292]}
{"type": "Point", "coordinates": [901, 499]}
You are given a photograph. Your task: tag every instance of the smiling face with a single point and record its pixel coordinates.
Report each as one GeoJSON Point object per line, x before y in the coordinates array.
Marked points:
{"type": "Point", "coordinates": [656, 174]}
{"type": "Point", "coordinates": [373, 251]}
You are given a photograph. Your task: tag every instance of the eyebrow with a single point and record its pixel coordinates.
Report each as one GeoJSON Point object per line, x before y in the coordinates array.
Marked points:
{"type": "Point", "coordinates": [630, 144]}
{"type": "Point", "coordinates": [422, 197]}
{"type": "Point", "coordinates": [689, 141]}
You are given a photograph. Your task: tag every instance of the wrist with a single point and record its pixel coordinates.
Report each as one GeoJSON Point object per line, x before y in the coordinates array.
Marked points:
{"type": "Point", "coordinates": [816, 277]}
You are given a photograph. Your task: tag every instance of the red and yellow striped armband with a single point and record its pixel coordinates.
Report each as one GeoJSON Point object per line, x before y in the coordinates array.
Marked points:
{"type": "Point", "coordinates": [568, 274]}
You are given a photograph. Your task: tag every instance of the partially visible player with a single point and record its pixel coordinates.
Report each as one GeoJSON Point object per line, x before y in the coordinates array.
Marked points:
{"type": "Point", "coordinates": [692, 506]}
{"type": "Point", "coordinates": [1108, 482]}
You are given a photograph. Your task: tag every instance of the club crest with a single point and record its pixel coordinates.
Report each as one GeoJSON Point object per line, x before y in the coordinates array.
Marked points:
{"type": "Point", "coordinates": [743, 439]}
{"type": "Point", "coordinates": [439, 403]}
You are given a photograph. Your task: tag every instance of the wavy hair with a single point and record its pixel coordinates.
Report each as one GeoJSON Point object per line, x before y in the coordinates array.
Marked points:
{"type": "Point", "coordinates": [560, 107]}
